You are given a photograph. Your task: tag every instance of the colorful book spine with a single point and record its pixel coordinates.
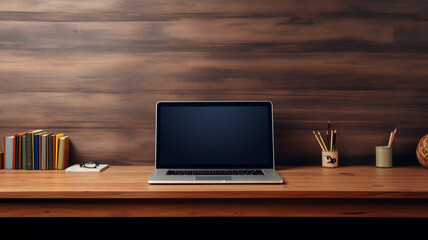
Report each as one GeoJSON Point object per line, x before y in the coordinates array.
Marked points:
{"type": "Point", "coordinates": [9, 154]}
{"type": "Point", "coordinates": [34, 150]}
{"type": "Point", "coordinates": [51, 152]}
{"type": "Point", "coordinates": [58, 136]}
{"type": "Point", "coordinates": [63, 152]}
{"type": "Point", "coordinates": [16, 152]}
{"type": "Point", "coordinates": [43, 152]}
{"type": "Point", "coordinates": [19, 150]}
{"type": "Point", "coordinates": [29, 150]}
{"type": "Point", "coordinates": [24, 152]}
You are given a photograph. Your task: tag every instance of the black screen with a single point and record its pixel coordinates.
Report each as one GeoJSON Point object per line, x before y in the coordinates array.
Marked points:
{"type": "Point", "coordinates": [214, 135]}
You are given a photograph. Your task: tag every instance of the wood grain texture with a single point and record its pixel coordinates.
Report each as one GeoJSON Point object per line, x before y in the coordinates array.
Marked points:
{"type": "Point", "coordinates": [95, 69]}
{"type": "Point", "coordinates": [303, 182]}
{"type": "Point", "coordinates": [309, 191]}
{"type": "Point", "coordinates": [101, 208]}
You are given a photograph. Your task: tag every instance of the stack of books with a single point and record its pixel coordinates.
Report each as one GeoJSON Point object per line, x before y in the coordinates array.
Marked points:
{"type": "Point", "coordinates": [36, 150]}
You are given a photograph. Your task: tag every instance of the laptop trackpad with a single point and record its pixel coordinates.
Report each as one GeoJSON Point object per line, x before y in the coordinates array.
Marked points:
{"type": "Point", "coordinates": [215, 178]}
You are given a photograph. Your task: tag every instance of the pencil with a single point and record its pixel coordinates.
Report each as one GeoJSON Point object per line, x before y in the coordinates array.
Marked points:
{"type": "Point", "coordinates": [331, 141]}
{"type": "Point", "coordinates": [389, 141]}
{"type": "Point", "coordinates": [391, 138]}
{"type": "Point", "coordinates": [322, 148]}
{"type": "Point", "coordinates": [322, 140]}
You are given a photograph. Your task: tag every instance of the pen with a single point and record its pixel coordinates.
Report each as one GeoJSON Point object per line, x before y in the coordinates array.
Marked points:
{"type": "Point", "coordinates": [328, 134]}
{"type": "Point", "coordinates": [328, 137]}
{"type": "Point", "coordinates": [334, 140]}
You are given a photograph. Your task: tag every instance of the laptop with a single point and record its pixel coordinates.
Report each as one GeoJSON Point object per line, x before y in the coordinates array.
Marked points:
{"type": "Point", "coordinates": [214, 143]}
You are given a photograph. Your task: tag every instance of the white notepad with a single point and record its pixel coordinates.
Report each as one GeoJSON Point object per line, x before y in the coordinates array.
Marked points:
{"type": "Point", "coordinates": [78, 168]}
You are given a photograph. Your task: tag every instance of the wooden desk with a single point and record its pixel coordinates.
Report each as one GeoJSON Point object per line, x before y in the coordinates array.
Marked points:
{"type": "Point", "coordinates": [123, 191]}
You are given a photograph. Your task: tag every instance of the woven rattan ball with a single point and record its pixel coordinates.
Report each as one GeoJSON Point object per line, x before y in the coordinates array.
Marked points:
{"type": "Point", "coordinates": [422, 151]}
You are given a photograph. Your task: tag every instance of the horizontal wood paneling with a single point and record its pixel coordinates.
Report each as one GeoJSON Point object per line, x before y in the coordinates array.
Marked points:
{"type": "Point", "coordinates": [96, 69]}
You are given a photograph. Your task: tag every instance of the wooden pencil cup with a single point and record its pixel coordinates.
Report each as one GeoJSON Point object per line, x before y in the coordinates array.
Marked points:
{"type": "Point", "coordinates": [383, 156]}
{"type": "Point", "coordinates": [330, 158]}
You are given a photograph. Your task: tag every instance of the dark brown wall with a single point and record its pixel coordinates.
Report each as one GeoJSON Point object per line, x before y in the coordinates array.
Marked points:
{"type": "Point", "coordinates": [95, 69]}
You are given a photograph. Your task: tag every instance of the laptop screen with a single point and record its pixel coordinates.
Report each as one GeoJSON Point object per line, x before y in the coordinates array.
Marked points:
{"type": "Point", "coordinates": [210, 135]}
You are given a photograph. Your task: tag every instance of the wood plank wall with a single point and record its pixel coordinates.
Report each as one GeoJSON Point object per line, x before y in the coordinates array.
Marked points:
{"type": "Point", "coordinates": [95, 69]}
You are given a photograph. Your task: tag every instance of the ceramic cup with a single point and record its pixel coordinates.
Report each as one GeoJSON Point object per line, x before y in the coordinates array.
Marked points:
{"type": "Point", "coordinates": [330, 158]}
{"type": "Point", "coordinates": [383, 156]}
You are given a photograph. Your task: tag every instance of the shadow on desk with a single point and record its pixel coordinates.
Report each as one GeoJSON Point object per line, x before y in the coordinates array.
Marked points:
{"type": "Point", "coordinates": [223, 228]}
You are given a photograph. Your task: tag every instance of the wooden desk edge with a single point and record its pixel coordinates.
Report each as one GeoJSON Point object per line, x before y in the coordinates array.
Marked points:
{"type": "Point", "coordinates": [300, 183]}
{"type": "Point", "coordinates": [73, 200]}
{"type": "Point", "coordinates": [216, 195]}
{"type": "Point", "coordinates": [409, 208]}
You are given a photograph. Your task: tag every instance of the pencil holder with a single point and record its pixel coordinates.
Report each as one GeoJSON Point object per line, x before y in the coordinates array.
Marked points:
{"type": "Point", "coordinates": [330, 158]}
{"type": "Point", "coordinates": [383, 156]}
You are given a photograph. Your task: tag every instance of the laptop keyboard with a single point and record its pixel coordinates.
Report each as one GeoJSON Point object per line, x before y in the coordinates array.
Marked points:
{"type": "Point", "coordinates": [215, 172]}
